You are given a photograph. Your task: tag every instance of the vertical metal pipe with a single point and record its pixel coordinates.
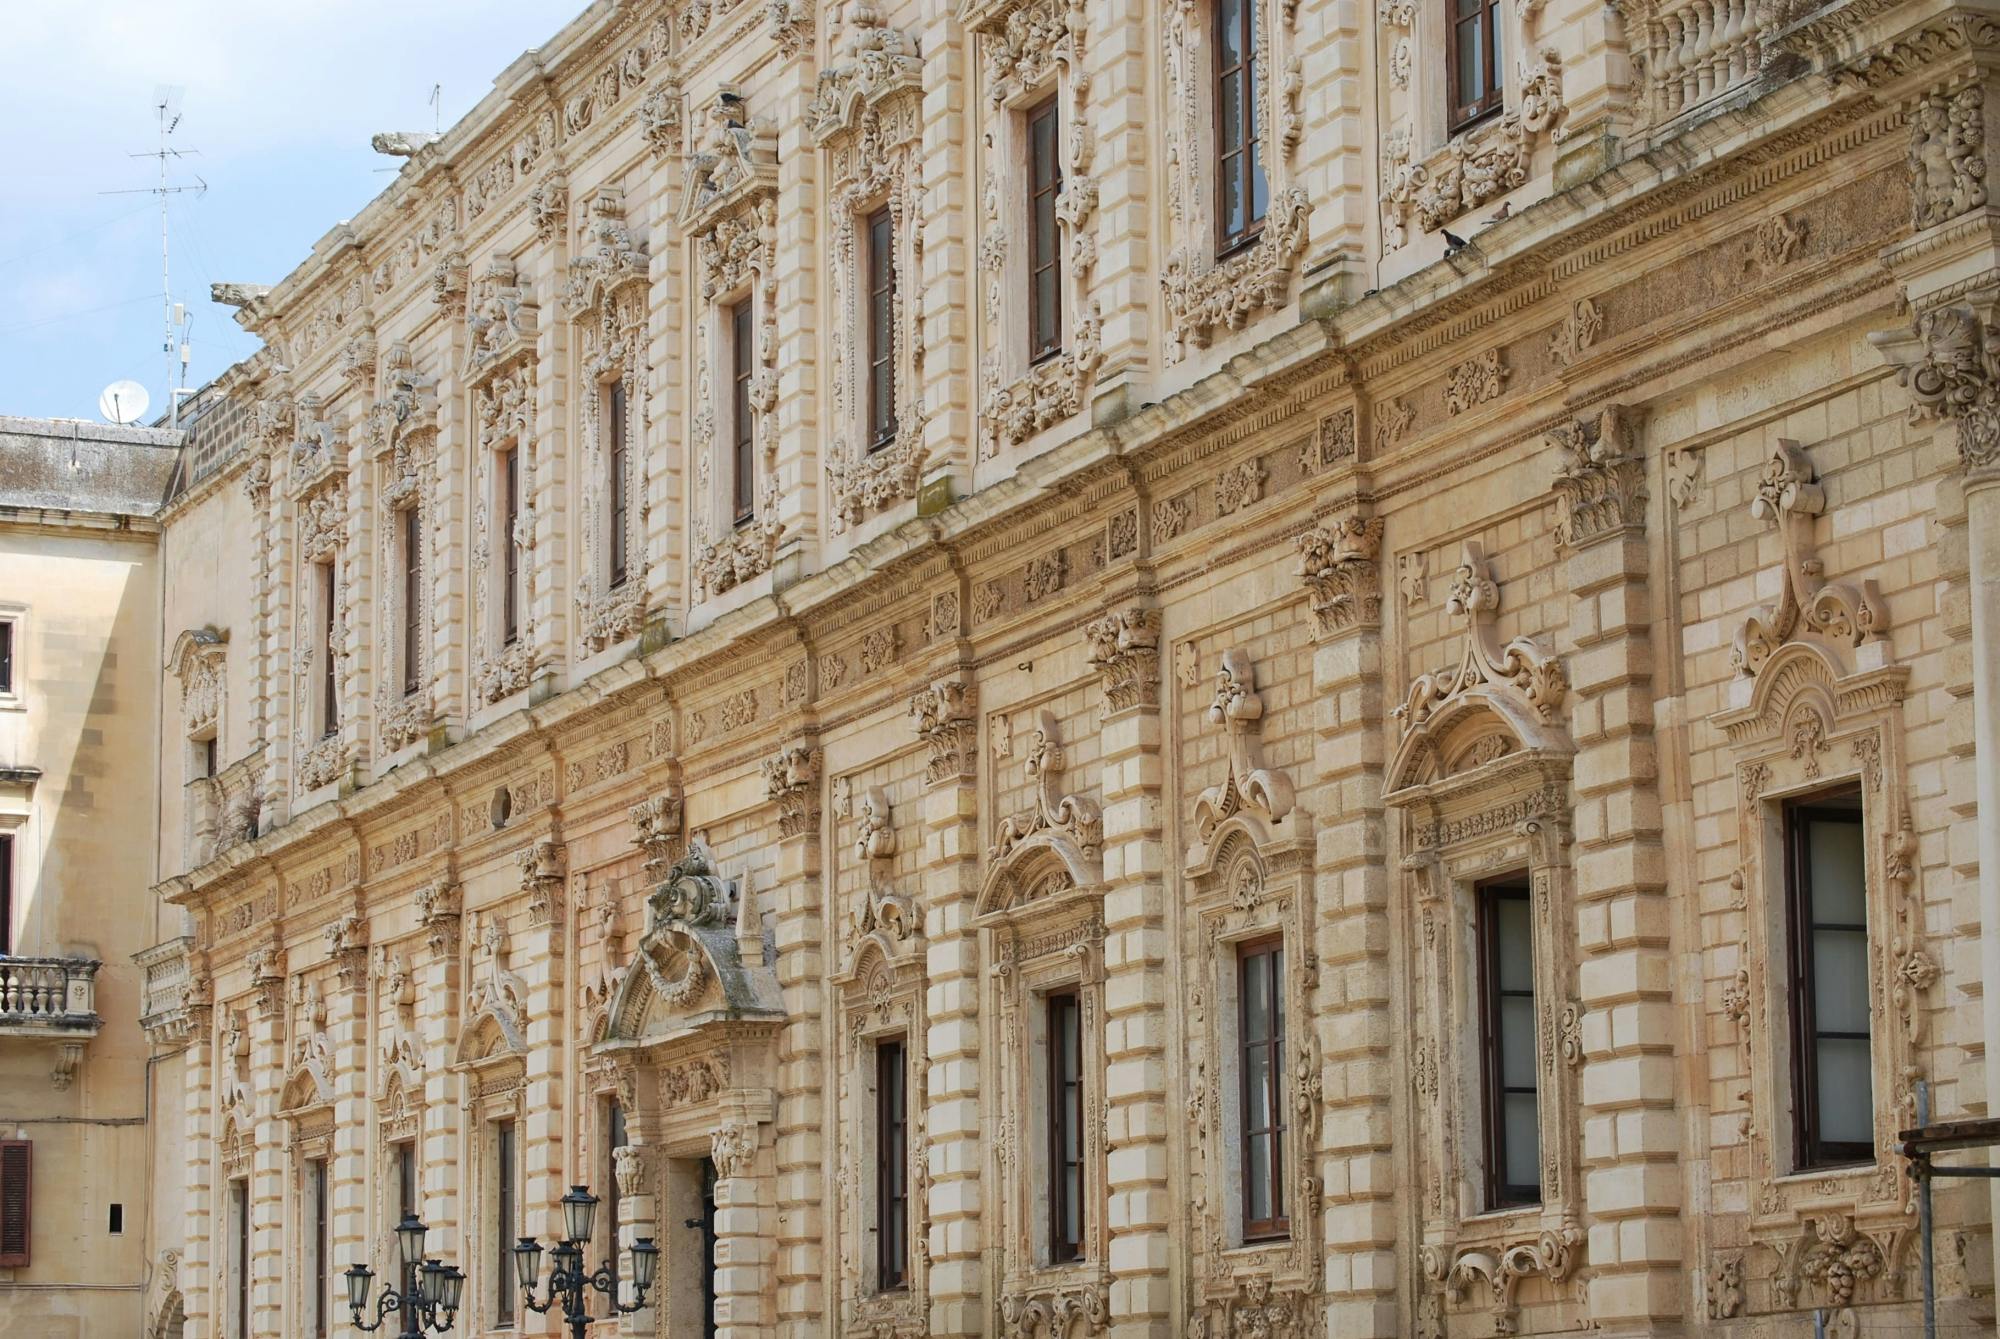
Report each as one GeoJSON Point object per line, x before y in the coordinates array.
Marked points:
{"type": "Point", "coordinates": [1924, 1216]}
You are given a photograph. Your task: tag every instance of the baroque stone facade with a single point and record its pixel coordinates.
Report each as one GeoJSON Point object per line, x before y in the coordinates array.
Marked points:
{"type": "Point", "coordinates": [788, 664]}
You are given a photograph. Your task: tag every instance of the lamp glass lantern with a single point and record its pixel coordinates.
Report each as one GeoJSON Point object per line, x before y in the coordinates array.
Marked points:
{"type": "Point", "coordinates": [360, 1278]}
{"type": "Point", "coordinates": [410, 1232]}
{"type": "Point", "coordinates": [527, 1261]}
{"type": "Point", "coordinates": [645, 1263]}
{"type": "Point", "coordinates": [579, 1208]}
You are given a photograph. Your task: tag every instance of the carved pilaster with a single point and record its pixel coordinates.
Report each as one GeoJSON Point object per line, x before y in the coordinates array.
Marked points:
{"type": "Point", "coordinates": [1125, 651]}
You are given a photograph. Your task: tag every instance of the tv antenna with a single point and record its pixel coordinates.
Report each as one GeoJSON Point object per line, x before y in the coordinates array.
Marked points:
{"type": "Point", "coordinates": [174, 317]}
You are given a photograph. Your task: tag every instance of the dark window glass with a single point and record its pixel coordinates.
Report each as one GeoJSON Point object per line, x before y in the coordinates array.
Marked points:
{"type": "Point", "coordinates": [614, 1206]}
{"type": "Point", "coordinates": [239, 1209]}
{"type": "Point", "coordinates": [1065, 1046]}
{"type": "Point", "coordinates": [743, 426]}
{"type": "Point", "coordinates": [1472, 55]}
{"type": "Point", "coordinates": [1241, 195]}
{"type": "Point", "coordinates": [17, 1203]}
{"type": "Point", "coordinates": [413, 599]}
{"type": "Point", "coordinates": [329, 668]}
{"type": "Point", "coordinates": [207, 747]}
{"type": "Point", "coordinates": [615, 490]}
{"type": "Point", "coordinates": [892, 1192]}
{"type": "Point", "coordinates": [1260, 985]}
{"type": "Point", "coordinates": [510, 567]}
{"type": "Point", "coordinates": [1827, 896]}
{"type": "Point", "coordinates": [317, 1307]}
{"type": "Point", "coordinates": [1507, 1044]}
{"type": "Point", "coordinates": [1044, 273]}
{"type": "Point", "coordinates": [707, 1249]}
{"type": "Point", "coordinates": [503, 1222]}
{"type": "Point", "coordinates": [6, 655]}
{"type": "Point", "coordinates": [406, 1203]}
{"type": "Point", "coordinates": [881, 329]}
{"type": "Point", "coordinates": [6, 894]}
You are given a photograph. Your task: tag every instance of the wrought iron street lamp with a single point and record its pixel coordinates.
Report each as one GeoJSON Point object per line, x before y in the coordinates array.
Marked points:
{"type": "Point", "coordinates": [569, 1284]}
{"type": "Point", "coordinates": [431, 1290]}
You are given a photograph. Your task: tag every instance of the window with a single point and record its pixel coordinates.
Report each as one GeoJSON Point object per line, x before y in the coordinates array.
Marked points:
{"type": "Point", "coordinates": [17, 1158]}
{"type": "Point", "coordinates": [707, 1248]}
{"type": "Point", "coordinates": [1044, 274]}
{"type": "Point", "coordinates": [1507, 1044]}
{"type": "Point", "coordinates": [329, 670]}
{"type": "Point", "coordinates": [316, 1188]}
{"type": "Point", "coordinates": [411, 523]}
{"type": "Point", "coordinates": [115, 1221]}
{"type": "Point", "coordinates": [207, 754]}
{"type": "Point", "coordinates": [892, 1192]}
{"type": "Point", "coordinates": [1242, 194]}
{"type": "Point", "coordinates": [510, 566]}
{"type": "Point", "coordinates": [504, 1228]}
{"type": "Point", "coordinates": [406, 1203]}
{"type": "Point", "coordinates": [1472, 61]}
{"type": "Point", "coordinates": [1827, 895]}
{"type": "Point", "coordinates": [6, 894]}
{"type": "Point", "coordinates": [1065, 1097]}
{"type": "Point", "coordinates": [881, 329]}
{"type": "Point", "coordinates": [742, 361]}
{"type": "Point", "coordinates": [615, 490]}
{"type": "Point", "coordinates": [6, 656]}
{"type": "Point", "coordinates": [239, 1212]}
{"type": "Point", "coordinates": [1260, 988]}
{"type": "Point", "coordinates": [614, 1208]}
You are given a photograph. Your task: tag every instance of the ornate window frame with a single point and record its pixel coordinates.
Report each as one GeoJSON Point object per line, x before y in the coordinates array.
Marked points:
{"type": "Point", "coordinates": [1817, 705]}
{"type": "Point", "coordinates": [324, 755]}
{"type": "Point", "coordinates": [501, 320]}
{"type": "Point", "coordinates": [1203, 291]}
{"type": "Point", "coordinates": [199, 661]}
{"type": "Point", "coordinates": [1481, 780]}
{"type": "Point", "coordinates": [1248, 875]}
{"type": "Point", "coordinates": [729, 208]}
{"type": "Point", "coordinates": [867, 114]}
{"type": "Point", "coordinates": [404, 445]}
{"type": "Point", "coordinates": [608, 298]}
{"type": "Point", "coordinates": [1032, 52]}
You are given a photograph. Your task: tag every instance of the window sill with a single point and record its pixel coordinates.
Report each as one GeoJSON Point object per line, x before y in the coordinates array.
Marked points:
{"type": "Point", "coordinates": [1230, 250]}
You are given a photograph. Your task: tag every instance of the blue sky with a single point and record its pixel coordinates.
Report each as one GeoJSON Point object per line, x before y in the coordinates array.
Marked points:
{"type": "Point", "coordinates": [279, 98]}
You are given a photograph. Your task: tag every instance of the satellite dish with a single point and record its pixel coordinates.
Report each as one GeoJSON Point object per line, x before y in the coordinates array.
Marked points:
{"type": "Point", "coordinates": [123, 402]}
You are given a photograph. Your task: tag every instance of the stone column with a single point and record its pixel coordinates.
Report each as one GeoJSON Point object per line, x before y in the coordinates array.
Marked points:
{"type": "Point", "coordinates": [449, 551]}
{"type": "Point", "coordinates": [1356, 1019]}
{"type": "Point", "coordinates": [741, 1279]}
{"type": "Point", "coordinates": [805, 1276]}
{"type": "Point", "coordinates": [801, 325]}
{"type": "Point", "coordinates": [1125, 650]}
{"type": "Point", "coordinates": [1631, 1133]}
{"type": "Point", "coordinates": [201, 1247]}
{"type": "Point", "coordinates": [1120, 57]}
{"type": "Point", "coordinates": [635, 1166]}
{"type": "Point", "coordinates": [946, 308]}
{"type": "Point", "coordinates": [666, 473]}
{"type": "Point", "coordinates": [550, 625]}
{"type": "Point", "coordinates": [267, 1166]}
{"type": "Point", "coordinates": [439, 998]}
{"type": "Point", "coordinates": [944, 719]}
{"type": "Point", "coordinates": [347, 1163]}
{"type": "Point", "coordinates": [544, 1134]}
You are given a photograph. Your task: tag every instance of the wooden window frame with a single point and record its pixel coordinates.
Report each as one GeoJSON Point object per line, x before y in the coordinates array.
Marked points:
{"type": "Point", "coordinates": [9, 639]}
{"type": "Point", "coordinates": [1248, 148]}
{"type": "Point", "coordinates": [329, 705]}
{"type": "Point", "coordinates": [1488, 15]}
{"type": "Point", "coordinates": [1045, 323]}
{"type": "Point", "coordinates": [1810, 1151]}
{"type": "Point", "coordinates": [6, 894]}
{"type": "Point", "coordinates": [879, 227]}
{"type": "Point", "coordinates": [320, 1185]}
{"type": "Point", "coordinates": [707, 1226]}
{"type": "Point", "coordinates": [506, 1190]}
{"type": "Point", "coordinates": [892, 1154]}
{"type": "Point", "coordinates": [1063, 1015]}
{"type": "Point", "coordinates": [742, 424]}
{"type": "Point", "coordinates": [239, 1209]}
{"type": "Point", "coordinates": [412, 525]}
{"type": "Point", "coordinates": [509, 471]}
{"type": "Point", "coordinates": [408, 1197]}
{"type": "Point", "coordinates": [617, 523]}
{"type": "Point", "coordinates": [615, 1138]}
{"type": "Point", "coordinates": [1279, 1225]}
{"type": "Point", "coordinates": [17, 1203]}
{"type": "Point", "coordinates": [1500, 1194]}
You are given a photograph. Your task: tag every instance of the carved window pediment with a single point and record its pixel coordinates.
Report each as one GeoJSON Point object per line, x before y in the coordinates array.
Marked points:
{"type": "Point", "coordinates": [732, 165]}
{"type": "Point", "coordinates": [1050, 849]}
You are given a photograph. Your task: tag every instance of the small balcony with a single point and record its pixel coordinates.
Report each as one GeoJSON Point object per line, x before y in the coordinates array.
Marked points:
{"type": "Point", "coordinates": [49, 998]}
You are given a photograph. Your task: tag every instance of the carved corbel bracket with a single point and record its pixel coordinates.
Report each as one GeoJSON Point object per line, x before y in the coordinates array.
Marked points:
{"type": "Point", "coordinates": [1338, 564]}
{"type": "Point", "coordinates": [1125, 651]}
{"type": "Point", "coordinates": [942, 714]}
{"type": "Point", "coordinates": [1600, 479]}
{"type": "Point", "coordinates": [659, 829]}
{"type": "Point", "coordinates": [791, 781]}
{"type": "Point", "coordinates": [544, 866]}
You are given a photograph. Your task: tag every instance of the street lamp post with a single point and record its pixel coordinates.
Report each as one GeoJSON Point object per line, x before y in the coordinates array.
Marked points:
{"type": "Point", "coordinates": [431, 1290]}
{"type": "Point", "coordinates": [569, 1284]}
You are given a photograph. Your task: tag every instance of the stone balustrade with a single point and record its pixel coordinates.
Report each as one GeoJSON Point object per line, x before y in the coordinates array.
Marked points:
{"type": "Point", "coordinates": [1692, 51]}
{"type": "Point", "coordinates": [44, 995]}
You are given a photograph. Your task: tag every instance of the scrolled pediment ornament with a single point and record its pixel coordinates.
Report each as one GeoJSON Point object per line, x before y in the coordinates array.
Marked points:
{"type": "Point", "coordinates": [1067, 826]}
{"type": "Point", "coordinates": [1494, 1275]}
{"type": "Point", "coordinates": [658, 830]}
{"type": "Point", "coordinates": [733, 160]}
{"type": "Point", "coordinates": [1837, 613]}
{"type": "Point", "coordinates": [1248, 789]}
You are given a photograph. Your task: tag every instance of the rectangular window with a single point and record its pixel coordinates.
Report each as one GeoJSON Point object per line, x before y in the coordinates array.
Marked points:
{"type": "Point", "coordinates": [1827, 901]}
{"type": "Point", "coordinates": [1242, 194]}
{"type": "Point", "coordinates": [6, 656]}
{"type": "Point", "coordinates": [329, 651]}
{"type": "Point", "coordinates": [881, 329]}
{"type": "Point", "coordinates": [207, 748]}
{"type": "Point", "coordinates": [892, 1192]}
{"type": "Point", "coordinates": [239, 1211]}
{"type": "Point", "coordinates": [510, 547]}
{"type": "Point", "coordinates": [503, 1222]}
{"type": "Point", "coordinates": [742, 426]}
{"type": "Point", "coordinates": [413, 599]}
{"type": "Point", "coordinates": [1260, 986]}
{"type": "Point", "coordinates": [707, 1248]}
{"type": "Point", "coordinates": [1065, 1096]}
{"type": "Point", "coordinates": [6, 894]}
{"type": "Point", "coordinates": [316, 1187]}
{"type": "Point", "coordinates": [1044, 273]}
{"type": "Point", "coordinates": [1513, 1136]}
{"type": "Point", "coordinates": [615, 490]}
{"type": "Point", "coordinates": [406, 1204]}
{"type": "Point", "coordinates": [17, 1198]}
{"type": "Point", "coordinates": [614, 1208]}
{"type": "Point", "coordinates": [1472, 58]}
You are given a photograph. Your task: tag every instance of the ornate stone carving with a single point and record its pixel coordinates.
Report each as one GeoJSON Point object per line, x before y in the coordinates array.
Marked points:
{"type": "Point", "coordinates": [1248, 786]}
{"type": "Point", "coordinates": [733, 160]}
{"type": "Point", "coordinates": [874, 827]}
{"type": "Point", "coordinates": [1343, 581]}
{"type": "Point", "coordinates": [497, 991]}
{"type": "Point", "coordinates": [1950, 364]}
{"type": "Point", "coordinates": [1474, 382]}
{"type": "Point", "coordinates": [1521, 667]}
{"type": "Point", "coordinates": [1947, 158]}
{"type": "Point", "coordinates": [1045, 575]}
{"type": "Point", "coordinates": [1258, 1309]}
{"type": "Point", "coordinates": [1075, 1311]}
{"type": "Point", "coordinates": [733, 1148]}
{"type": "Point", "coordinates": [1600, 480]}
{"type": "Point", "coordinates": [791, 781]}
{"type": "Point", "coordinates": [1238, 486]}
{"type": "Point", "coordinates": [1483, 163]}
{"type": "Point", "coordinates": [1069, 816]}
{"type": "Point", "coordinates": [1201, 297]}
{"type": "Point", "coordinates": [1578, 332]}
{"type": "Point", "coordinates": [1051, 390]}
{"type": "Point", "coordinates": [659, 829]}
{"type": "Point", "coordinates": [502, 317]}
{"type": "Point", "coordinates": [1838, 612]}
{"type": "Point", "coordinates": [438, 911]}
{"type": "Point", "coordinates": [544, 866]}
{"type": "Point", "coordinates": [1496, 1274]}
{"type": "Point", "coordinates": [942, 716]}
{"type": "Point", "coordinates": [1125, 651]}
